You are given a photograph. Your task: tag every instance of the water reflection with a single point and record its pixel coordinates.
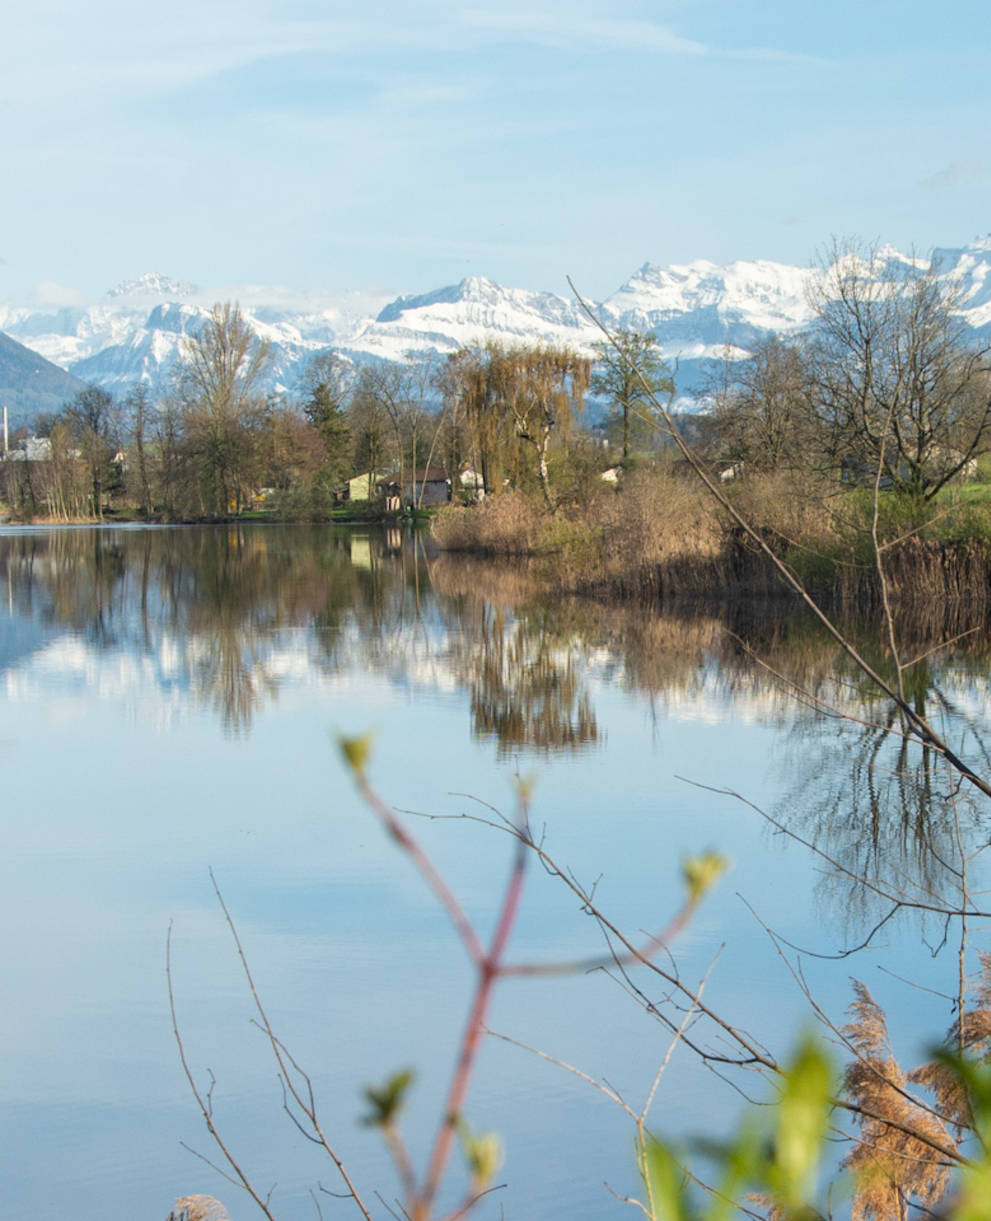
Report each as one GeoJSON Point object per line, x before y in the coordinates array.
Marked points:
{"type": "Point", "coordinates": [221, 616]}
{"type": "Point", "coordinates": [270, 632]}
{"type": "Point", "coordinates": [891, 821]}
{"type": "Point", "coordinates": [217, 611]}
{"type": "Point", "coordinates": [897, 821]}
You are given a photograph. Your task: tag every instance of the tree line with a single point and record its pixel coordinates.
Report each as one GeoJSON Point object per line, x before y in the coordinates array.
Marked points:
{"type": "Point", "coordinates": [888, 382]}
{"type": "Point", "coordinates": [208, 446]}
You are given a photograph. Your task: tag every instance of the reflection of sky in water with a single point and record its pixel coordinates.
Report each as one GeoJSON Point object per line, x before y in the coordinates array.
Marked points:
{"type": "Point", "coordinates": [121, 788]}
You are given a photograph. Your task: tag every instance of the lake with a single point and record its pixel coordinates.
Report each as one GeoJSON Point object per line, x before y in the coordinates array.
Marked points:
{"type": "Point", "coordinates": [171, 701]}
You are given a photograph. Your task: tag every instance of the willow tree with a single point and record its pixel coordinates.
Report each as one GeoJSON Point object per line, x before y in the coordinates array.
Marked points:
{"type": "Point", "coordinates": [477, 433]}
{"type": "Point", "coordinates": [522, 399]}
{"type": "Point", "coordinates": [219, 387]}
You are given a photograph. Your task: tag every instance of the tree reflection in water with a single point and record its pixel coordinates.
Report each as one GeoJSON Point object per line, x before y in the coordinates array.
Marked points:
{"type": "Point", "coordinates": [207, 610]}
{"type": "Point", "coordinates": [885, 808]}
{"type": "Point", "coordinates": [526, 688]}
{"type": "Point", "coordinates": [220, 612]}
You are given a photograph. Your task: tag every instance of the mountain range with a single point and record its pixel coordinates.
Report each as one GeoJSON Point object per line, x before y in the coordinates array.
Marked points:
{"type": "Point", "coordinates": [698, 311]}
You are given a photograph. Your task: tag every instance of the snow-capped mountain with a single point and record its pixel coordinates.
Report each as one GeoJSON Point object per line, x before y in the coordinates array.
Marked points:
{"type": "Point", "coordinates": [153, 285]}
{"type": "Point", "coordinates": [699, 311]}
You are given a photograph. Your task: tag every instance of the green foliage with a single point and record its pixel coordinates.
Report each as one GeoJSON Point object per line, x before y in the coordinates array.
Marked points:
{"type": "Point", "coordinates": [974, 1200]}
{"type": "Point", "coordinates": [517, 403]}
{"type": "Point", "coordinates": [356, 752]}
{"type": "Point", "coordinates": [387, 1101]}
{"type": "Point", "coordinates": [575, 474]}
{"type": "Point", "coordinates": [815, 568]}
{"type": "Point", "coordinates": [561, 536]}
{"type": "Point", "coordinates": [700, 873]}
{"type": "Point", "coordinates": [803, 1115]}
{"type": "Point", "coordinates": [664, 1181]}
{"type": "Point", "coordinates": [484, 1154]}
{"type": "Point", "coordinates": [630, 373]}
{"type": "Point", "coordinates": [898, 513]}
{"type": "Point", "coordinates": [324, 411]}
{"type": "Point", "coordinates": [774, 1158]}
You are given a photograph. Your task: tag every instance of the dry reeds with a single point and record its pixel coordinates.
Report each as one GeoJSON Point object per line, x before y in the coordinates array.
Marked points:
{"type": "Point", "coordinates": [896, 1160]}
{"type": "Point", "coordinates": [198, 1208]}
{"type": "Point", "coordinates": [659, 537]}
{"type": "Point", "coordinates": [504, 524]}
{"type": "Point", "coordinates": [970, 1034]}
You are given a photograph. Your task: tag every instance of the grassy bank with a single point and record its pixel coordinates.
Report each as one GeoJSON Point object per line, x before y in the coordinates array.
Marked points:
{"type": "Point", "coordinates": [661, 536]}
{"type": "Point", "coordinates": [357, 513]}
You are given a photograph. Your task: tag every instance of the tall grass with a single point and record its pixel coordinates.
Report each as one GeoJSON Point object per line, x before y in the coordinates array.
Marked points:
{"type": "Point", "coordinates": [506, 524]}
{"type": "Point", "coordinates": [659, 537]}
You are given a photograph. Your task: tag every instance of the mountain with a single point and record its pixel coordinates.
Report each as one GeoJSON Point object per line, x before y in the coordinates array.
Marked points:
{"type": "Point", "coordinates": [699, 311]}
{"type": "Point", "coordinates": [30, 384]}
{"type": "Point", "coordinates": [700, 308]}
{"type": "Point", "coordinates": [153, 285]}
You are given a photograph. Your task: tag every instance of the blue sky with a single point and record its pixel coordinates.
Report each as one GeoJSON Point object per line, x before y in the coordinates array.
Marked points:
{"type": "Point", "coordinates": [402, 146]}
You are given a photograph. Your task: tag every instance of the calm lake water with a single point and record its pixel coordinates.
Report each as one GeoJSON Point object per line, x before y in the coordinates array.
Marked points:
{"type": "Point", "coordinates": [169, 700]}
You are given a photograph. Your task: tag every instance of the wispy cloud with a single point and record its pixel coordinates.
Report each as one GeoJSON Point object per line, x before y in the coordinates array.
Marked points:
{"type": "Point", "coordinates": [607, 30]}
{"type": "Point", "coordinates": [560, 29]}
{"type": "Point", "coordinates": [109, 50]}
{"type": "Point", "coordinates": [49, 292]}
{"type": "Point", "coordinates": [107, 46]}
{"type": "Point", "coordinates": [964, 172]}
{"type": "Point", "coordinates": [418, 94]}
{"type": "Point", "coordinates": [54, 51]}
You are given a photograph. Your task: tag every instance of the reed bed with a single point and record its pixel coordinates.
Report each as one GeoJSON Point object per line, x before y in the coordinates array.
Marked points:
{"type": "Point", "coordinates": [660, 538]}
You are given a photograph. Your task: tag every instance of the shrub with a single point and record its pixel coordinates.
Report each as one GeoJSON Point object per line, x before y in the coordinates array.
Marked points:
{"type": "Point", "coordinates": [507, 523]}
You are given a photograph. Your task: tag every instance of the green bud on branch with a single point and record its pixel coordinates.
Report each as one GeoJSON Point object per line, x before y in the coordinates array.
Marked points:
{"type": "Point", "coordinates": [702, 872]}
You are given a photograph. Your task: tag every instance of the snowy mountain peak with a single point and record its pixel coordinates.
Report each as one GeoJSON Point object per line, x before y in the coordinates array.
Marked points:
{"type": "Point", "coordinates": [697, 310]}
{"type": "Point", "coordinates": [471, 289]}
{"type": "Point", "coordinates": [152, 284]}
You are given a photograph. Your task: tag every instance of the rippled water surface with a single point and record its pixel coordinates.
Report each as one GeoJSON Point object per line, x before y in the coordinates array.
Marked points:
{"type": "Point", "coordinates": [169, 700]}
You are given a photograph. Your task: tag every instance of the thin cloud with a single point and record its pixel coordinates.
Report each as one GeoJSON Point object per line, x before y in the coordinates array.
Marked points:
{"type": "Point", "coordinates": [414, 95]}
{"type": "Point", "coordinates": [612, 31]}
{"type": "Point", "coordinates": [963, 172]}
{"type": "Point", "coordinates": [619, 33]}
{"type": "Point", "coordinates": [50, 292]}
{"type": "Point", "coordinates": [101, 52]}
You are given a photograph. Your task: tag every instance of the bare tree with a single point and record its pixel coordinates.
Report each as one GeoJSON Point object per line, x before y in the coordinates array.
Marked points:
{"type": "Point", "coordinates": [139, 407]}
{"type": "Point", "coordinates": [762, 409]}
{"type": "Point", "coordinates": [92, 415]}
{"type": "Point", "coordinates": [369, 424]}
{"type": "Point", "coordinates": [218, 384]}
{"type": "Point", "coordinates": [898, 384]}
{"type": "Point", "coordinates": [405, 394]}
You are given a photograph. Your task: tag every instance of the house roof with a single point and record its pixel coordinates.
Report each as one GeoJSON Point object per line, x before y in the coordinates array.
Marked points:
{"type": "Point", "coordinates": [430, 474]}
{"type": "Point", "coordinates": [422, 474]}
